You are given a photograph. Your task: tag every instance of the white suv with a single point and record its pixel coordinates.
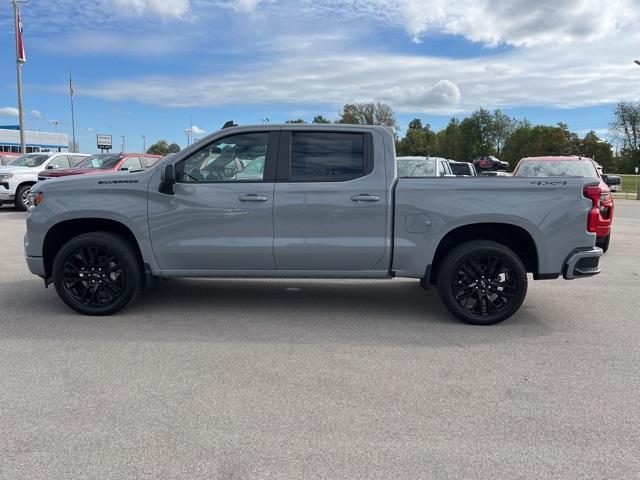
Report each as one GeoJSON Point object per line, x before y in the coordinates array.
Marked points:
{"type": "Point", "coordinates": [17, 178]}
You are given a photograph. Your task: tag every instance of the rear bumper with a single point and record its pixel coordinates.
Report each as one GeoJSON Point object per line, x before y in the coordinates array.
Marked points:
{"type": "Point", "coordinates": [583, 263]}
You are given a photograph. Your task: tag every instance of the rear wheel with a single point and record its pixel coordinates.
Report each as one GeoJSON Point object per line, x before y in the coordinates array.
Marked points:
{"type": "Point", "coordinates": [22, 198]}
{"type": "Point", "coordinates": [482, 282]}
{"type": "Point", "coordinates": [603, 242]}
{"type": "Point", "coordinates": [97, 273]}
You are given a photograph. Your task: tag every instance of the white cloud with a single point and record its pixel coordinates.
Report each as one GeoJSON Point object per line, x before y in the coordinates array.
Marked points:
{"type": "Point", "coordinates": [36, 114]}
{"type": "Point", "coordinates": [11, 111]}
{"type": "Point", "coordinates": [159, 8]}
{"type": "Point", "coordinates": [492, 22]}
{"type": "Point", "coordinates": [442, 95]}
{"type": "Point", "coordinates": [195, 130]}
{"type": "Point", "coordinates": [244, 5]}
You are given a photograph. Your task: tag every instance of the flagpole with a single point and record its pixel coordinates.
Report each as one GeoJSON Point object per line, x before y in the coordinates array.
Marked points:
{"type": "Point", "coordinates": [73, 120]}
{"type": "Point", "coordinates": [23, 147]}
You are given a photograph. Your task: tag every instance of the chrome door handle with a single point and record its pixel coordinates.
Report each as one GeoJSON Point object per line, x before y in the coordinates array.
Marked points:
{"type": "Point", "coordinates": [365, 198]}
{"type": "Point", "coordinates": [252, 197]}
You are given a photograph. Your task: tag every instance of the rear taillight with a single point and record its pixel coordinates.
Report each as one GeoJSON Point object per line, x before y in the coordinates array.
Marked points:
{"type": "Point", "coordinates": [593, 192]}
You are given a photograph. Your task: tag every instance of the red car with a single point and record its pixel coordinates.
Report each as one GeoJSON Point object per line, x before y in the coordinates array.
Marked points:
{"type": "Point", "coordinates": [105, 162]}
{"type": "Point", "coordinates": [601, 214]}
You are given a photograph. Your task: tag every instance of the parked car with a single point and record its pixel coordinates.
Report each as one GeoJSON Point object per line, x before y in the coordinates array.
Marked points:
{"type": "Point", "coordinates": [327, 203]}
{"type": "Point", "coordinates": [490, 163]}
{"type": "Point", "coordinates": [423, 167]}
{"type": "Point", "coordinates": [105, 162]}
{"type": "Point", "coordinates": [613, 181]}
{"type": "Point", "coordinates": [495, 173]}
{"type": "Point", "coordinates": [7, 157]}
{"type": "Point", "coordinates": [17, 178]}
{"type": "Point", "coordinates": [464, 169]}
{"type": "Point", "coordinates": [601, 214]}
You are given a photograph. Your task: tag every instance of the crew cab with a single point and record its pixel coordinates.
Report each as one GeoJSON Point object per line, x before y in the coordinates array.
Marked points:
{"type": "Point", "coordinates": [105, 162]}
{"type": "Point", "coordinates": [17, 178]}
{"type": "Point", "coordinates": [601, 215]}
{"type": "Point", "coordinates": [320, 201]}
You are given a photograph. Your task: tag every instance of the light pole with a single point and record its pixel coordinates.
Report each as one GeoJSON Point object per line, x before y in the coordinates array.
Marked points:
{"type": "Point", "coordinates": [20, 59]}
{"type": "Point", "coordinates": [144, 144]}
{"type": "Point", "coordinates": [637, 62]}
{"type": "Point", "coordinates": [122, 136]}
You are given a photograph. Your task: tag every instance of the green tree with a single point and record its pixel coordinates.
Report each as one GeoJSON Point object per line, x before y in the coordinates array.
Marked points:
{"type": "Point", "coordinates": [369, 113]}
{"type": "Point", "coordinates": [320, 119]}
{"type": "Point", "coordinates": [420, 140]}
{"type": "Point", "coordinates": [541, 140]}
{"type": "Point", "coordinates": [161, 147]}
{"type": "Point", "coordinates": [297, 120]}
{"type": "Point", "coordinates": [625, 128]}
{"type": "Point", "coordinates": [174, 148]}
{"type": "Point", "coordinates": [448, 141]}
{"type": "Point", "coordinates": [593, 147]}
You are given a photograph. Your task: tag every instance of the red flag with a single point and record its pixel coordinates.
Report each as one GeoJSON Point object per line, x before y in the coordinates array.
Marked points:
{"type": "Point", "coordinates": [22, 57]}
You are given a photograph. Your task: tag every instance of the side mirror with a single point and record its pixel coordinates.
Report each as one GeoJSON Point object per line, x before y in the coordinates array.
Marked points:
{"type": "Point", "coordinates": [124, 169]}
{"type": "Point", "coordinates": [51, 167]}
{"type": "Point", "coordinates": [168, 180]}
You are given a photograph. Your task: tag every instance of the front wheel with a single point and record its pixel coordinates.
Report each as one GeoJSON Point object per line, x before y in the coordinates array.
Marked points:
{"type": "Point", "coordinates": [97, 273]}
{"type": "Point", "coordinates": [21, 201]}
{"type": "Point", "coordinates": [482, 282]}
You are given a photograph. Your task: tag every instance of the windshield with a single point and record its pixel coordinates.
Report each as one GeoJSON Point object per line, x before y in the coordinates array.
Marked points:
{"type": "Point", "coordinates": [29, 160]}
{"type": "Point", "coordinates": [417, 168]}
{"type": "Point", "coordinates": [557, 168]}
{"type": "Point", "coordinates": [99, 162]}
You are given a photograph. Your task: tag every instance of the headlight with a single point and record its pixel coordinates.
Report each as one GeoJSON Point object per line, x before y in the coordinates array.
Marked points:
{"type": "Point", "coordinates": [6, 175]}
{"type": "Point", "coordinates": [35, 199]}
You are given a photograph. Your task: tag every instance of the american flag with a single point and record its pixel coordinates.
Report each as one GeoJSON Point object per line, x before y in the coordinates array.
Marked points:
{"type": "Point", "coordinates": [22, 57]}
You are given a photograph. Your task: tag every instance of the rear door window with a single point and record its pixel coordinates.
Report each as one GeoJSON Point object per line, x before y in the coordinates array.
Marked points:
{"type": "Point", "coordinates": [327, 156]}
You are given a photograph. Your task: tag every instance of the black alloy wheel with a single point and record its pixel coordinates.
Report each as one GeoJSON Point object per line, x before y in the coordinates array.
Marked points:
{"type": "Point", "coordinates": [482, 282]}
{"type": "Point", "coordinates": [93, 276]}
{"type": "Point", "coordinates": [98, 273]}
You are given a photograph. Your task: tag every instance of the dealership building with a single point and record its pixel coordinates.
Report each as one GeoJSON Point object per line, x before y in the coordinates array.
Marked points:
{"type": "Point", "coordinates": [35, 141]}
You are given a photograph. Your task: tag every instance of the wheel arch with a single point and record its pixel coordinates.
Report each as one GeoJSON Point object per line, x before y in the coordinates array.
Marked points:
{"type": "Point", "coordinates": [64, 231]}
{"type": "Point", "coordinates": [511, 236]}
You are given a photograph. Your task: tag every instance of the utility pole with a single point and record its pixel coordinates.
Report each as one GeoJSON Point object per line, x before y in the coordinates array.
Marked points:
{"type": "Point", "coordinates": [122, 150]}
{"type": "Point", "coordinates": [73, 120]}
{"type": "Point", "coordinates": [144, 144]}
{"type": "Point", "coordinates": [20, 59]}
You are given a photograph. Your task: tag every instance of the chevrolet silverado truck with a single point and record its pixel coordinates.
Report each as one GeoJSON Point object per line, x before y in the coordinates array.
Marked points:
{"type": "Point", "coordinates": [308, 201]}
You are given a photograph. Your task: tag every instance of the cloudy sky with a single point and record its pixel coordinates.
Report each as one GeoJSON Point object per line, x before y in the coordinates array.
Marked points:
{"type": "Point", "coordinates": [150, 66]}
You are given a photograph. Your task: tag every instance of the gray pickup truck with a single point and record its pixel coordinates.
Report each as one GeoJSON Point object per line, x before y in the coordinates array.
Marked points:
{"type": "Point", "coordinates": [303, 201]}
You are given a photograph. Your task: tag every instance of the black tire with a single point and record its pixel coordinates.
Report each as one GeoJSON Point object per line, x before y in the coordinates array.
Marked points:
{"type": "Point", "coordinates": [603, 242]}
{"type": "Point", "coordinates": [424, 283]}
{"type": "Point", "coordinates": [482, 282]}
{"type": "Point", "coordinates": [98, 273]}
{"type": "Point", "coordinates": [21, 200]}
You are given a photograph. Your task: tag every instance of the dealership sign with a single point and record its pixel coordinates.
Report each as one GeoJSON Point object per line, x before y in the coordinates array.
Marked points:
{"type": "Point", "coordinates": [105, 142]}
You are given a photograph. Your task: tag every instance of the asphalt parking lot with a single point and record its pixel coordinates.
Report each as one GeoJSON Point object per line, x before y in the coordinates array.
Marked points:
{"type": "Point", "coordinates": [238, 379]}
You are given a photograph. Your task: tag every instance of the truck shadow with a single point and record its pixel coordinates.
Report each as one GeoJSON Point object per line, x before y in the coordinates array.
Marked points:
{"type": "Point", "coordinates": [396, 312]}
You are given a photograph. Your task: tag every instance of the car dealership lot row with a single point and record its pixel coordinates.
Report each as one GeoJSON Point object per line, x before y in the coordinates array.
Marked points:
{"type": "Point", "coordinates": [333, 379]}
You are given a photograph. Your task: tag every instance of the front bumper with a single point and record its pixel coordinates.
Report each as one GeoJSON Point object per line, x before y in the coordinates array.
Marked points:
{"type": "Point", "coordinates": [583, 263]}
{"type": "Point", "coordinates": [36, 266]}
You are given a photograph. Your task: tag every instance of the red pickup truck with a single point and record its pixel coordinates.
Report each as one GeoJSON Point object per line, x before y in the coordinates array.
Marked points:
{"type": "Point", "coordinates": [104, 163]}
{"type": "Point", "coordinates": [601, 214]}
